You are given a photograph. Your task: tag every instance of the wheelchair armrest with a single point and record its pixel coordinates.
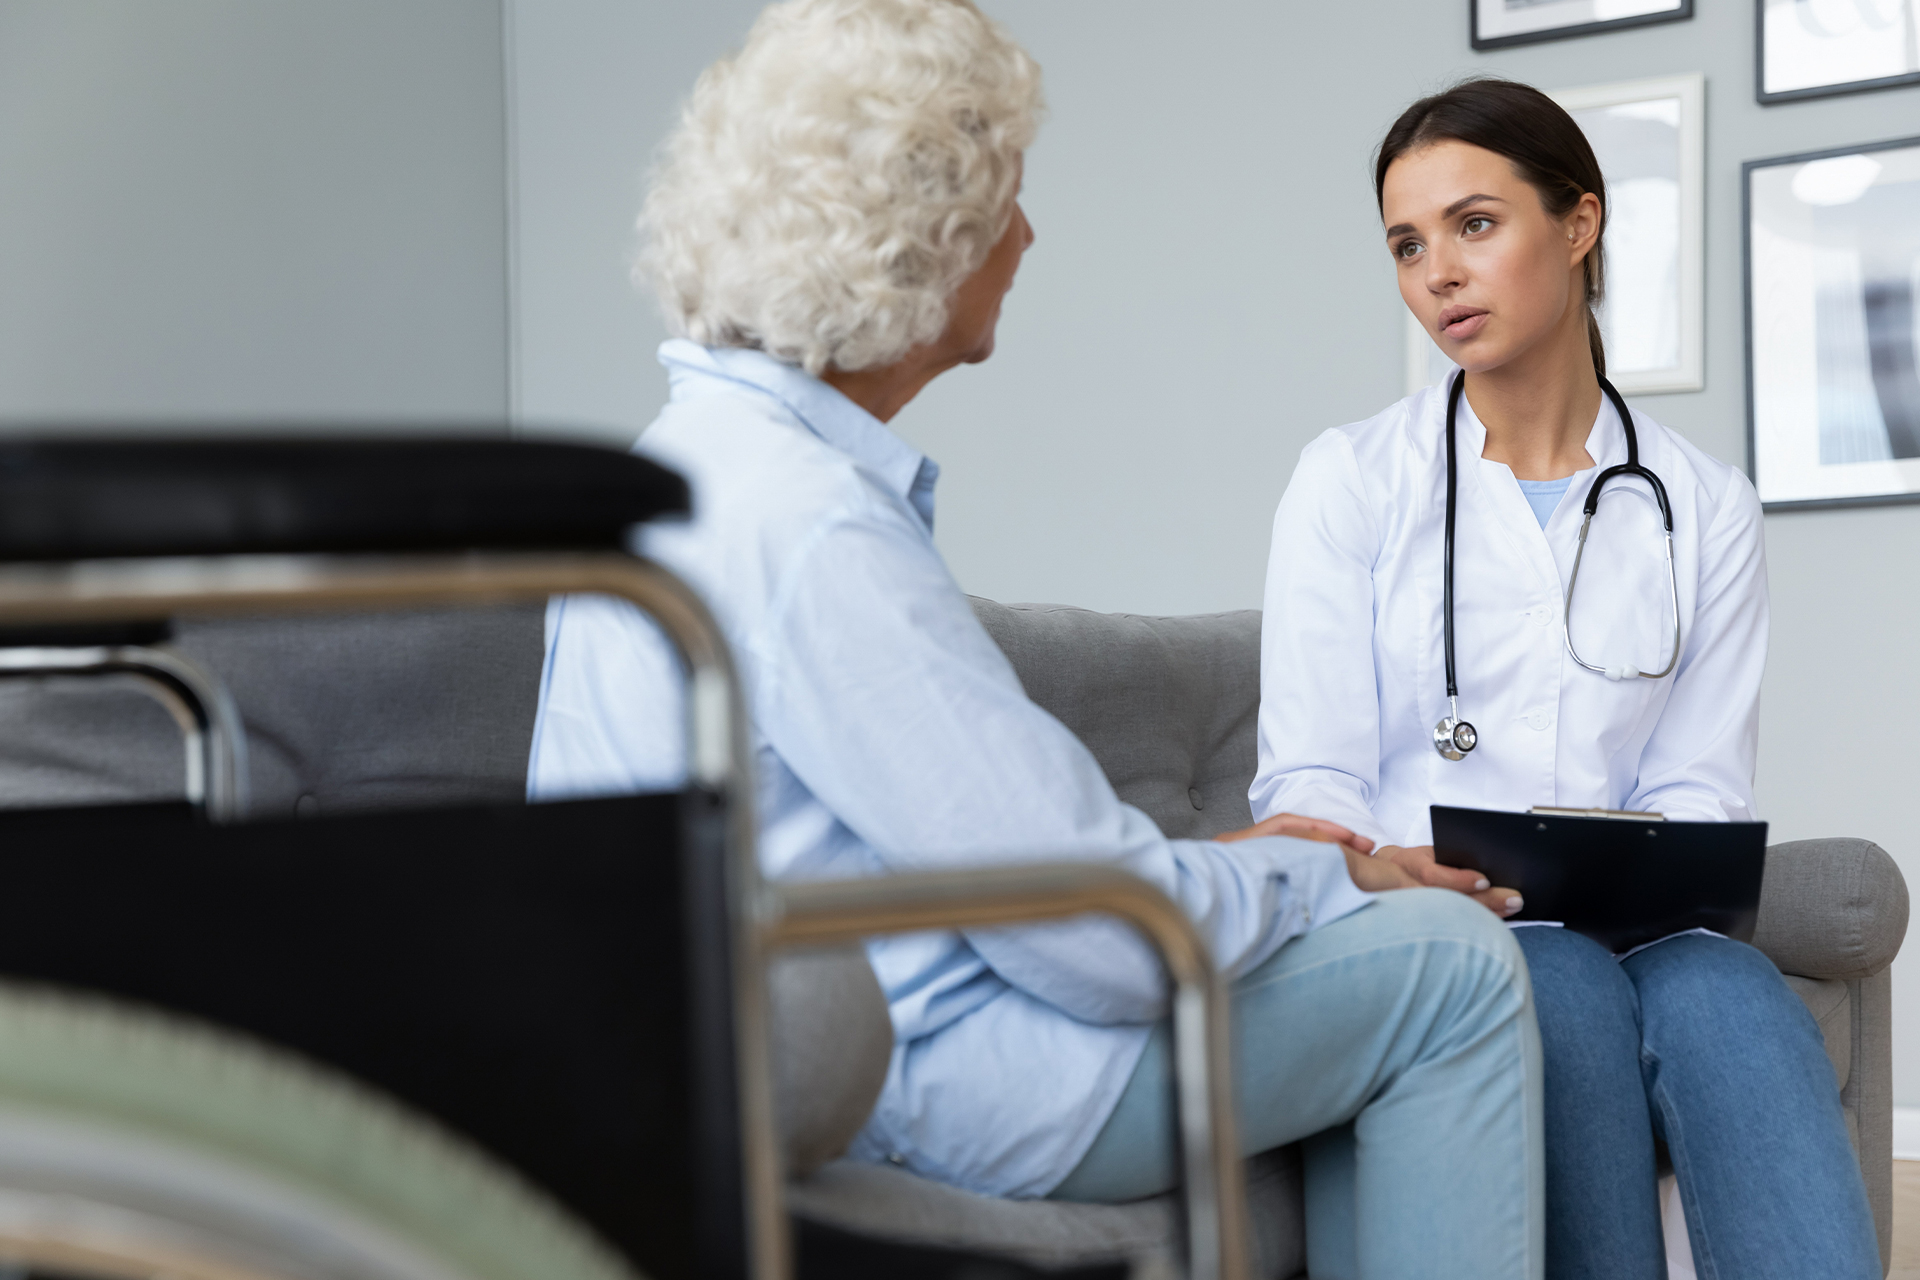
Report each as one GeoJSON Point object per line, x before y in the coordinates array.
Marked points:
{"type": "Point", "coordinates": [825, 911]}
{"type": "Point", "coordinates": [1832, 908]}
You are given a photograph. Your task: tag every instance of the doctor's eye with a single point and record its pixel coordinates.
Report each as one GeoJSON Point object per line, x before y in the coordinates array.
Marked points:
{"type": "Point", "coordinates": [1406, 249]}
{"type": "Point", "coordinates": [1477, 223]}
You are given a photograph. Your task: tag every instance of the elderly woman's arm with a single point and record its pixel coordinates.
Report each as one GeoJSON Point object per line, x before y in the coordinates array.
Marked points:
{"type": "Point", "coordinates": [881, 691]}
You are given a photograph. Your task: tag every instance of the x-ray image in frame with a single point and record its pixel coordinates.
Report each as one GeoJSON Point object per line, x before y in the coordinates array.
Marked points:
{"type": "Point", "coordinates": [1497, 24]}
{"type": "Point", "coordinates": [1817, 48]}
{"type": "Point", "coordinates": [1833, 338]}
{"type": "Point", "coordinates": [1649, 136]}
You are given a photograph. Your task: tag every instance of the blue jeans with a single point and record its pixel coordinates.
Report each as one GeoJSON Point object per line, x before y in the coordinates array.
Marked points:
{"type": "Point", "coordinates": [1411, 1019]}
{"type": "Point", "coordinates": [1698, 1041]}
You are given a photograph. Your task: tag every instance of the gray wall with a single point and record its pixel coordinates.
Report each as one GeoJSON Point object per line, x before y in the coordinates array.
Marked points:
{"type": "Point", "coordinates": [1208, 292]}
{"type": "Point", "coordinates": [222, 209]}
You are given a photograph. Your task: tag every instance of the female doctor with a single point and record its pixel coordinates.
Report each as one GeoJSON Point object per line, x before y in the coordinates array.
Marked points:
{"type": "Point", "coordinates": [1494, 208]}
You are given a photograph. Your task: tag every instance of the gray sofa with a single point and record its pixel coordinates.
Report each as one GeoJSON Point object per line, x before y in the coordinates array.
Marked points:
{"type": "Point", "coordinates": [367, 712]}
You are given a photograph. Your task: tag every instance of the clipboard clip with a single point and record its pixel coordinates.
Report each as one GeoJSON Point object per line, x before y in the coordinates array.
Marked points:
{"type": "Point", "coordinates": [1625, 815]}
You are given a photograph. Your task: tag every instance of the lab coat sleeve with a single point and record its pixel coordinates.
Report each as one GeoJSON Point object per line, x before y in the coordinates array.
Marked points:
{"type": "Point", "coordinates": [886, 697]}
{"type": "Point", "coordinates": [1698, 763]}
{"type": "Point", "coordinates": [1319, 725]}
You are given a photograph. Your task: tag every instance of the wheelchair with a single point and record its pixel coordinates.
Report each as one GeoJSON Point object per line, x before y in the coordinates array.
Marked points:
{"type": "Point", "coordinates": [454, 1041]}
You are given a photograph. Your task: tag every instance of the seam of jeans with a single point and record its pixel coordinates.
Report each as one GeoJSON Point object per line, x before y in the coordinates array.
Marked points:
{"type": "Point", "coordinates": [1705, 1266]}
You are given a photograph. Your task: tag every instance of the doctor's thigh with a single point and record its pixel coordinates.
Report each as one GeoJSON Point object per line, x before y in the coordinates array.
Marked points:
{"type": "Point", "coordinates": [1412, 1020]}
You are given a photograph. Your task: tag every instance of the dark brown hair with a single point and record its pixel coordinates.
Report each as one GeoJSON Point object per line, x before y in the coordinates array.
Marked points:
{"type": "Point", "coordinates": [1535, 134]}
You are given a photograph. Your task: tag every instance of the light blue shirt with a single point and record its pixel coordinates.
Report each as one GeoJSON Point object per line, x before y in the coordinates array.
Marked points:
{"type": "Point", "coordinates": [890, 733]}
{"type": "Point", "coordinates": [1543, 496]}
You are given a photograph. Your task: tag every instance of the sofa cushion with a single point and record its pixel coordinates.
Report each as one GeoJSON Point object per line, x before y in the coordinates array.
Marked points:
{"type": "Point", "coordinates": [1167, 705]}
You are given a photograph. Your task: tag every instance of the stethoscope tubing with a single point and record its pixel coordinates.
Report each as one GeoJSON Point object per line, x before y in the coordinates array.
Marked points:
{"type": "Point", "coordinates": [1631, 467]}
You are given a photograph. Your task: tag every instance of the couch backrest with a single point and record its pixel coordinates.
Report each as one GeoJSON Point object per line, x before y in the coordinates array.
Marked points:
{"type": "Point", "coordinates": [1166, 705]}
{"type": "Point", "coordinates": [342, 712]}
{"type": "Point", "coordinates": [362, 711]}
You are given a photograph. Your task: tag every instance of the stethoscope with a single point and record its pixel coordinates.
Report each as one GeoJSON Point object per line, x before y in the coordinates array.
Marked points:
{"type": "Point", "coordinates": [1454, 737]}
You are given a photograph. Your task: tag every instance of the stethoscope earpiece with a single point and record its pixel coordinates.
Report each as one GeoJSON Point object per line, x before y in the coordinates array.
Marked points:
{"type": "Point", "coordinates": [1453, 737]}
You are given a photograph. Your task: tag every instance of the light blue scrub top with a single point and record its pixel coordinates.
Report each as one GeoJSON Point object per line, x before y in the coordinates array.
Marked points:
{"type": "Point", "coordinates": [1544, 496]}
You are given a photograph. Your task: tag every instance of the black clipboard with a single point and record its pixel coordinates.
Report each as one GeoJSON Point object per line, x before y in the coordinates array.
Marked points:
{"type": "Point", "coordinates": [1620, 881]}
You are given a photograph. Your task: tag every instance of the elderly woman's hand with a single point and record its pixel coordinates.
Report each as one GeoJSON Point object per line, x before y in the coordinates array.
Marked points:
{"type": "Point", "coordinates": [1292, 824]}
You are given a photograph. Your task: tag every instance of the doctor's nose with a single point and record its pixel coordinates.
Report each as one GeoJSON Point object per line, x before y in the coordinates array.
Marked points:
{"type": "Point", "coordinates": [1444, 271]}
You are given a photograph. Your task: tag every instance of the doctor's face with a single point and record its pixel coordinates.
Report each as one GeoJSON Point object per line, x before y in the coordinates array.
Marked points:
{"type": "Point", "coordinates": [1489, 272]}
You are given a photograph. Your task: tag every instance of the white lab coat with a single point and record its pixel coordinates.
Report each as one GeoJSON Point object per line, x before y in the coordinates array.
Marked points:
{"type": "Point", "coordinates": [1352, 665]}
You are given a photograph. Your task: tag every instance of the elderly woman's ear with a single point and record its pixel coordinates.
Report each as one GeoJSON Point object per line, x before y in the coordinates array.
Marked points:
{"type": "Point", "coordinates": [842, 193]}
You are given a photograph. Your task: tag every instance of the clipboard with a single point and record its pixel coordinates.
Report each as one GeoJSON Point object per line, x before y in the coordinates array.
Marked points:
{"type": "Point", "coordinates": [1621, 880]}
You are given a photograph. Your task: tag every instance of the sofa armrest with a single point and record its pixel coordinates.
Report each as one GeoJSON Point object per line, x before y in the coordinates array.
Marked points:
{"type": "Point", "coordinates": [832, 1042]}
{"type": "Point", "coordinates": [1834, 908]}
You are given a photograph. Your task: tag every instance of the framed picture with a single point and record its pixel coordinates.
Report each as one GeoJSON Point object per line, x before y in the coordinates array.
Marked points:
{"type": "Point", "coordinates": [1499, 23]}
{"type": "Point", "coordinates": [1649, 136]}
{"type": "Point", "coordinates": [1833, 372]}
{"type": "Point", "coordinates": [1813, 48]}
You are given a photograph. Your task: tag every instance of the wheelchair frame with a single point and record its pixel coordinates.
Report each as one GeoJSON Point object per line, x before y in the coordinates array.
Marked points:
{"type": "Point", "coordinates": [769, 916]}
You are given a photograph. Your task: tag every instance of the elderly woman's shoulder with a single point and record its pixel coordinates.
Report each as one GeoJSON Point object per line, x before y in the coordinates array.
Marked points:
{"type": "Point", "coordinates": [750, 458]}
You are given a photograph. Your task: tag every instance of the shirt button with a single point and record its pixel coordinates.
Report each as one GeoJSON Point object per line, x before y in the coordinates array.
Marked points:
{"type": "Point", "coordinates": [1539, 720]}
{"type": "Point", "coordinates": [1193, 796]}
{"type": "Point", "coordinates": [895, 1158]}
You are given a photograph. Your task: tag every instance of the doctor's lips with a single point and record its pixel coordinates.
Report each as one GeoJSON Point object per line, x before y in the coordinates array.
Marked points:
{"type": "Point", "coordinates": [1462, 322]}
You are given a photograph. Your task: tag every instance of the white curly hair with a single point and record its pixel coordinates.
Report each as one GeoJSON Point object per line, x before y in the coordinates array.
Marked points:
{"type": "Point", "coordinates": [830, 186]}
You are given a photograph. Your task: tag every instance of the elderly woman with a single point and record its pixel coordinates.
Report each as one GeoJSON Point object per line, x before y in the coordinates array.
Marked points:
{"type": "Point", "coordinates": [835, 224]}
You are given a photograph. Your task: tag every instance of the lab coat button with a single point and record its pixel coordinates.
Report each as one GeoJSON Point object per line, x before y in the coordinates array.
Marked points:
{"type": "Point", "coordinates": [1539, 720]}
{"type": "Point", "coordinates": [1543, 615]}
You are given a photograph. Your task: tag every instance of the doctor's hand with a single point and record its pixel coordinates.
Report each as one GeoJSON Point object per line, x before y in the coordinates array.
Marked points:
{"type": "Point", "coordinates": [1291, 824]}
{"type": "Point", "coordinates": [1377, 875]}
{"type": "Point", "coordinates": [1419, 863]}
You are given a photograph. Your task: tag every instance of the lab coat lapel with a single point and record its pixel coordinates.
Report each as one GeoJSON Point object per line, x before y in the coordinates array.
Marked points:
{"type": "Point", "coordinates": [1489, 487]}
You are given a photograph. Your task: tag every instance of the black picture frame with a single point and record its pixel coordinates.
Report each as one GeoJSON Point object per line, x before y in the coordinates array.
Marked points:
{"type": "Point", "coordinates": [1766, 99]}
{"type": "Point", "coordinates": [1482, 44]}
{"type": "Point", "coordinates": [1747, 169]}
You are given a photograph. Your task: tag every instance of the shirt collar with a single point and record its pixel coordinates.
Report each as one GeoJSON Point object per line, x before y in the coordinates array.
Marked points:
{"type": "Point", "coordinates": [1606, 441]}
{"type": "Point", "coordinates": [822, 409]}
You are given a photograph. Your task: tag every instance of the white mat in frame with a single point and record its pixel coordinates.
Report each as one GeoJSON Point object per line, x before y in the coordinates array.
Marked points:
{"type": "Point", "coordinates": [1833, 324]}
{"type": "Point", "coordinates": [1813, 48]}
{"type": "Point", "coordinates": [1499, 23]}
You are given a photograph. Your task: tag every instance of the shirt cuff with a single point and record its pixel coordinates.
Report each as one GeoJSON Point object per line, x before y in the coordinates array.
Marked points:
{"type": "Point", "coordinates": [1332, 806]}
{"type": "Point", "coordinates": [1315, 890]}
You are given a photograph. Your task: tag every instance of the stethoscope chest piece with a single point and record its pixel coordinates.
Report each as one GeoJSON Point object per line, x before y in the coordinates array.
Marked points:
{"type": "Point", "coordinates": [1454, 737]}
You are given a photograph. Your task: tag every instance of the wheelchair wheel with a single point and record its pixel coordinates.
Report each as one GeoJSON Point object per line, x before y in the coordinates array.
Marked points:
{"type": "Point", "coordinates": [136, 1145]}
